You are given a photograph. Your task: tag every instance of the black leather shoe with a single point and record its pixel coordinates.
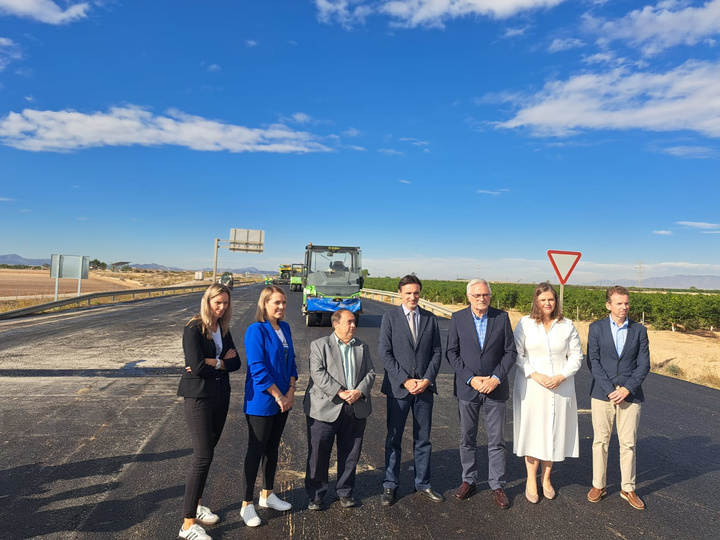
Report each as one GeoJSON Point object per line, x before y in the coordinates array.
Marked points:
{"type": "Point", "coordinates": [315, 505]}
{"type": "Point", "coordinates": [431, 494]}
{"type": "Point", "coordinates": [347, 502]}
{"type": "Point", "coordinates": [388, 497]}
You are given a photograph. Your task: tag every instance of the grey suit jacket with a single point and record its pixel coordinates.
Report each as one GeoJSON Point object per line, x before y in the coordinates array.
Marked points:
{"type": "Point", "coordinates": [327, 377]}
{"type": "Point", "coordinates": [609, 370]}
{"type": "Point", "coordinates": [401, 359]}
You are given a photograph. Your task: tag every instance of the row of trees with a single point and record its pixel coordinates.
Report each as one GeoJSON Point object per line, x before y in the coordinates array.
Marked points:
{"type": "Point", "coordinates": [664, 310]}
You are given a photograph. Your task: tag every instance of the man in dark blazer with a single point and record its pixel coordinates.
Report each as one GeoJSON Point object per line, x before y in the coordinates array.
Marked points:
{"type": "Point", "coordinates": [481, 350]}
{"type": "Point", "coordinates": [410, 351]}
{"type": "Point", "coordinates": [337, 404]}
{"type": "Point", "coordinates": [619, 358]}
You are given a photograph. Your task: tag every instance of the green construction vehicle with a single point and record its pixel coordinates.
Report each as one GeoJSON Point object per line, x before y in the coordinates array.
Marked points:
{"type": "Point", "coordinates": [332, 279]}
{"type": "Point", "coordinates": [283, 275]}
{"type": "Point", "coordinates": [296, 273]}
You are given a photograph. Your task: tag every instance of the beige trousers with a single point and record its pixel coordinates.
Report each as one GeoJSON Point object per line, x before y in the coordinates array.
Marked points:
{"type": "Point", "coordinates": [627, 416]}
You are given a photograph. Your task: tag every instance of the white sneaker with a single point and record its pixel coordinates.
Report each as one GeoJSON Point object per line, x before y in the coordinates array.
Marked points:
{"type": "Point", "coordinates": [195, 532]}
{"type": "Point", "coordinates": [204, 515]}
{"type": "Point", "coordinates": [275, 502]}
{"type": "Point", "coordinates": [249, 516]}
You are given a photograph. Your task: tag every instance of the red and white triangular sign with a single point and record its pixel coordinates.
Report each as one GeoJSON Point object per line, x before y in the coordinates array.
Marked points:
{"type": "Point", "coordinates": [564, 262]}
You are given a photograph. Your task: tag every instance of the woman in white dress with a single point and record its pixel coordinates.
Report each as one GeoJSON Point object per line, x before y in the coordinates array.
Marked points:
{"type": "Point", "coordinates": [545, 419]}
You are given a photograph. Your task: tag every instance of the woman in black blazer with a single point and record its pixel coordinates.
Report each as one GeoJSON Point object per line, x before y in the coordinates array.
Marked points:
{"type": "Point", "coordinates": [209, 356]}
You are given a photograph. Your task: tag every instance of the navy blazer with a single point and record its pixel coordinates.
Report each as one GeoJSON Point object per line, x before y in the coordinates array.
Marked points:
{"type": "Point", "coordinates": [401, 359]}
{"type": "Point", "coordinates": [202, 381]}
{"type": "Point", "coordinates": [266, 365]}
{"type": "Point", "coordinates": [609, 370]}
{"type": "Point", "coordinates": [497, 356]}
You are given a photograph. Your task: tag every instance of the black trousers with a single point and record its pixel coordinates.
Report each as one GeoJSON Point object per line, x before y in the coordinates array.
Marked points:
{"type": "Point", "coordinates": [205, 419]}
{"type": "Point", "coordinates": [348, 431]}
{"type": "Point", "coordinates": [264, 433]}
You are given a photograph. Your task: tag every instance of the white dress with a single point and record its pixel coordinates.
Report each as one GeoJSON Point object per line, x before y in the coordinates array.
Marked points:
{"type": "Point", "coordinates": [545, 422]}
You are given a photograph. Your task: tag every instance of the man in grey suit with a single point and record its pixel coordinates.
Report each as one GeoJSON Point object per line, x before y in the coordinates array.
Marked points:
{"type": "Point", "coordinates": [481, 350]}
{"type": "Point", "coordinates": [619, 358]}
{"type": "Point", "coordinates": [410, 350]}
{"type": "Point", "coordinates": [337, 404]}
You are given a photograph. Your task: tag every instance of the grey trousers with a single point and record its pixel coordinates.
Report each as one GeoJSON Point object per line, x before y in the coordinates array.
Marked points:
{"type": "Point", "coordinates": [495, 427]}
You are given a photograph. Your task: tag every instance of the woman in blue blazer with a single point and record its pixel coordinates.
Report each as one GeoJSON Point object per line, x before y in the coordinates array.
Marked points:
{"type": "Point", "coordinates": [209, 356]}
{"type": "Point", "coordinates": [269, 396]}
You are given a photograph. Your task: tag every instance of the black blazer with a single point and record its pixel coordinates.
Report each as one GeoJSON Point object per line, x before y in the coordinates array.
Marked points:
{"type": "Point", "coordinates": [464, 355]}
{"type": "Point", "coordinates": [202, 382]}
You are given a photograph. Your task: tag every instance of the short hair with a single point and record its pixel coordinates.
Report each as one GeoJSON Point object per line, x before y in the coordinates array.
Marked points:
{"type": "Point", "coordinates": [267, 292]}
{"type": "Point", "coordinates": [336, 317]}
{"type": "Point", "coordinates": [616, 289]}
{"type": "Point", "coordinates": [410, 279]}
{"type": "Point", "coordinates": [474, 282]}
{"type": "Point", "coordinates": [535, 312]}
{"type": "Point", "coordinates": [205, 315]}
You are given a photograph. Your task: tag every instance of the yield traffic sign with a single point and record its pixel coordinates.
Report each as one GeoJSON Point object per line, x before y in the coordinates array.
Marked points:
{"type": "Point", "coordinates": [564, 262]}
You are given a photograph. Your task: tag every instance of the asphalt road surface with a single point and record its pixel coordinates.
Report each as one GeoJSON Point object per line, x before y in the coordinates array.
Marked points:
{"type": "Point", "coordinates": [94, 445]}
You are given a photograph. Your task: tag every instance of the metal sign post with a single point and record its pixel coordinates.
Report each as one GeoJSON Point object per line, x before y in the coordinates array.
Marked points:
{"type": "Point", "coordinates": [564, 262]}
{"type": "Point", "coordinates": [69, 266]}
{"type": "Point", "coordinates": [243, 240]}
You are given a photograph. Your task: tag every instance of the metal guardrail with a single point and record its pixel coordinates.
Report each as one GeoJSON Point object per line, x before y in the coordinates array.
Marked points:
{"type": "Point", "coordinates": [110, 294]}
{"type": "Point", "coordinates": [387, 296]}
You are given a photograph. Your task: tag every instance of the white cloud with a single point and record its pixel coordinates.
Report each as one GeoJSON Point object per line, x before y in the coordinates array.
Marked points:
{"type": "Point", "coordinates": [709, 232]}
{"type": "Point", "coordinates": [684, 98]}
{"type": "Point", "coordinates": [59, 131]}
{"type": "Point", "coordinates": [213, 68]}
{"type": "Point", "coordinates": [251, 43]}
{"type": "Point", "coordinates": [665, 233]}
{"type": "Point", "coordinates": [558, 45]}
{"type": "Point", "coordinates": [514, 32]}
{"type": "Point", "coordinates": [45, 11]}
{"type": "Point", "coordinates": [414, 141]}
{"type": "Point", "coordinates": [692, 152]}
{"type": "Point", "coordinates": [390, 152]}
{"type": "Point", "coordinates": [405, 181]}
{"type": "Point", "coordinates": [358, 148]}
{"type": "Point", "coordinates": [430, 13]}
{"type": "Point", "coordinates": [656, 28]}
{"type": "Point", "coordinates": [302, 118]}
{"type": "Point", "coordinates": [352, 132]}
{"type": "Point", "coordinates": [5, 199]}
{"type": "Point", "coordinates": [30, 99]}
{"type": "Point", "coordinates": [9, 52]}
{"type": "Point", "coordinates": [699, 224]}
{"type": "Point", "coordinates": [492, 192]}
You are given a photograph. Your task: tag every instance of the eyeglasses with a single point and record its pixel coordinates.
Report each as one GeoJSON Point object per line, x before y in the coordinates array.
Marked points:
{"type": "Point", "coordinates": [479, 296]}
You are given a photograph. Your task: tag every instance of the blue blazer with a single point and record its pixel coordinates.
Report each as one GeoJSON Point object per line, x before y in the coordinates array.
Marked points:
{"type": "Point", "coordinates": [401, 359]}
{"type": "Point", "coordinates": [497, 356]}
{"type": "Point", "coordinates": [609, 370]}
{"type": "Point", "coordinates": [266, 365]}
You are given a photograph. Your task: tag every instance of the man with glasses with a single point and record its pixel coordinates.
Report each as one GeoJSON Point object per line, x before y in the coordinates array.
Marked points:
{"type": "Point", "coordinates": [481, 351]}
{"type": "Point", "coordinates": [337, 404]}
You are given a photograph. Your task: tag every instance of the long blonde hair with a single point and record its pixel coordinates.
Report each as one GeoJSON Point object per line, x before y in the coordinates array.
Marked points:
{"type": "Point", "coordinates": [267, 292]}
{"type": "Point", "coordinates": [205, 314]}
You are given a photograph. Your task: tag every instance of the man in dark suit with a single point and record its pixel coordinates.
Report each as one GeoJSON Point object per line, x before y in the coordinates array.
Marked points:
{"type": "Point", "coordinates": [410, 350]}
{"type": "Point", "coordinates": [481, 350]}
{"type": "Point", "coordinates": [619, 358]}
{"type": "Point", "coordinates": [337, 404]}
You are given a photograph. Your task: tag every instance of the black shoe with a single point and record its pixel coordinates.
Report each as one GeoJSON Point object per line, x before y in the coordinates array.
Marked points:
{"type": "Point", "coordinates": [431, 494]}
{"type": "Point", "coordinates": [315, 505]}
{"type": "Point", "coordinates": [388, 497]}
{"type": "Point", "coordinates": [346, 502]}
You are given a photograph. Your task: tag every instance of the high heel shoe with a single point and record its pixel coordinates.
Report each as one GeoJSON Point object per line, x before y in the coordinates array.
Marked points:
{"type": "Point", "coordinates": [532, 498]}
{"type": "Point", "coordinates": [549, 493]}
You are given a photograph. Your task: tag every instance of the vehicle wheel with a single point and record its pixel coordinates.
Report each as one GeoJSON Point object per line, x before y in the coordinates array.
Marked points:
{"type": "Point", "coordinates": [308, 319]}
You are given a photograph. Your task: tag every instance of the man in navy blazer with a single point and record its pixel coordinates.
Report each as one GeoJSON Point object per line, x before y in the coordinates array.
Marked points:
{"type": "Point", "coordinates": [619, 358]}
{"type": "Point", "coordinates": [410, 350]}
{"type": "Point", "coordinates": [481, 350]}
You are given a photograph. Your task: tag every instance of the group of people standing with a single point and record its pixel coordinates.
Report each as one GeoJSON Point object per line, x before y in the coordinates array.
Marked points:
{"type": "Point", "coordinates": [481, 348]}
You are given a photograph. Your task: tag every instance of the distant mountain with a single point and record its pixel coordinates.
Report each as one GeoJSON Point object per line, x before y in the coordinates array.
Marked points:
{"type": "Point", "coordinates": [668, 282]}
{"type": "Point", "coordinates": [17, 259]}
{"type": "Point", "coordinates": [250, 269]}
{"type": "Point", "coordinates": [154, 266]}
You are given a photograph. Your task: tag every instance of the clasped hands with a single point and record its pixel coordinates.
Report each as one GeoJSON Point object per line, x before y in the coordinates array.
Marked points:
{"type": "Point", "coordinates": [619, 395]}
{"type": "Point", "coordinates": [549, 382]}
{"type": "Point", "coordinates": [349, 396]}
{"type": "Point", "coordinates": [416, 386]}
{"type": "Point", "coordinates": [484, 384]}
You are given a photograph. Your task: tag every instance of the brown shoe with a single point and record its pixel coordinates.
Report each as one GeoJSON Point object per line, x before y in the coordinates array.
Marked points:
{"type": "Point", "coordinates": [633, 499]}
{"type": "Point", "coordinates": [596, 495]}
{"type": "Point", "coordinates": [500, 498]}
{"type": "Point", "coordinates": [465, 490]}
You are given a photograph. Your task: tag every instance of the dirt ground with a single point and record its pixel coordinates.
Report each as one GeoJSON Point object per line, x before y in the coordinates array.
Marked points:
{"type": "Point", "coordinates": [18, 283]}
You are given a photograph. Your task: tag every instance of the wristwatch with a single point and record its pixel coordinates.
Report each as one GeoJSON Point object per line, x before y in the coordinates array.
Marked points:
{"type": "Point", "coordinates": [219, 364]}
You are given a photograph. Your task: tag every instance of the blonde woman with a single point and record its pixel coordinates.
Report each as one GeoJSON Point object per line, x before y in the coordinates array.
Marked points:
{"type": "Point", "coordinates": [209, 356]}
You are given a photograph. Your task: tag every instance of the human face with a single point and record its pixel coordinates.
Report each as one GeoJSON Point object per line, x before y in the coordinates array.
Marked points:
{"type": "Point", "coordinates": [546, 303]}
{"type": "Point", "coordinates": [275, 307]}
{"type": "Point", "coordinates": [410, 295]}
{"type": "Point", "coordinates": [479, 297]}
{"type": "Point", "coordinates": [345, 327]}
{"type": "Point", "coordinates": [219, 305]}
{"type": "Point", "coordinates": [619, 305]}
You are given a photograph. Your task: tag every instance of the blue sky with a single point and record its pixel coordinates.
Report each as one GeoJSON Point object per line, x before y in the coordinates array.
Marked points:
{"type": "Point", "coordinates": [444, 137]}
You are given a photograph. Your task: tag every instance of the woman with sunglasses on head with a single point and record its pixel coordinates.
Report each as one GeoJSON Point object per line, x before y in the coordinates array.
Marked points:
{"type": "Point", "coordinates": [209, 356]}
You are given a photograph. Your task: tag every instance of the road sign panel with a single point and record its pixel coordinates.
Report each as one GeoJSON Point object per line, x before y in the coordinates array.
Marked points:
{"type": "Point", "coordinates": [564, 262]}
